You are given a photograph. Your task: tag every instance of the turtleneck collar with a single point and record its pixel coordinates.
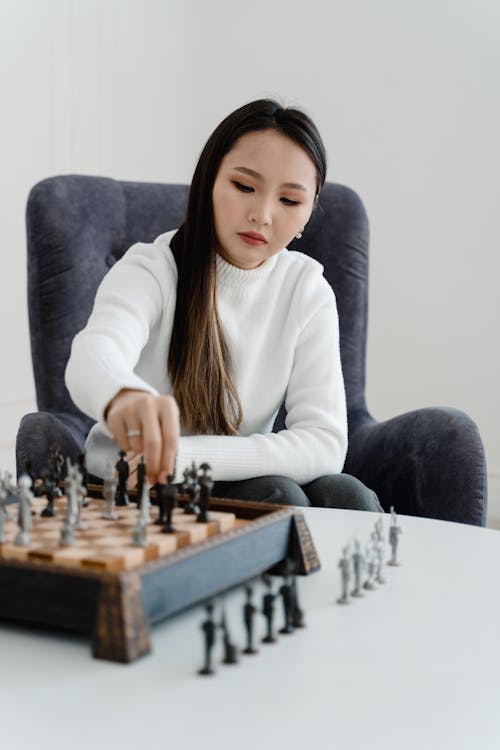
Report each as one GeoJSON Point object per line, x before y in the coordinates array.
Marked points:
{"type": "Point", "coordinates": [235, 279]}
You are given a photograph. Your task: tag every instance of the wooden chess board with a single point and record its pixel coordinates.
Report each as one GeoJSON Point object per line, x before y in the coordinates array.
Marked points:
{"type": "Point", "coordinates": [105, 586]}
{"type": "Point", "coordinates": [106, 544]}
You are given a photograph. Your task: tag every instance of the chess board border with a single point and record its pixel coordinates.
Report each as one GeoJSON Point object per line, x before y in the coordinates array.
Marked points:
{"type": "Point", "coordinates": [117, 609]}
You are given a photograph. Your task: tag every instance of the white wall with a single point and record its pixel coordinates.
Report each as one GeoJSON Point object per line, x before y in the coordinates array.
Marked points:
{"type": "Point", "coordinates": [406, 96]}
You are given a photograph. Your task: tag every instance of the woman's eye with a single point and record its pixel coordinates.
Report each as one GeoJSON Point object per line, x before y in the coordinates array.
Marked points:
{"type": "Point", "coordinates": [289, 202]}
{"type": "Point", "coordinates": [243, 188]}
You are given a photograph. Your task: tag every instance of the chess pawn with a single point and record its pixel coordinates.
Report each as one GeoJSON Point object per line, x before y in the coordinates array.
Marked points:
{"type": "Point", "coordinates": [379, 558]}
{"type": "Point", "coordinates": [230, 650]}
{"type": "Point", "coordinates": [287, 599]}
{"type": "Point", "coordinates": [206, 486]}
{"type": "Point", "coordinates": [139, 536]}
{"type": "Point", "coordinates": [74, 494]}
{"type": "Point", "coordinates": [268, 610]}
{"type": "Point", "coordinates": [209, 630]}
{"type": "Point", "coordinates": [345, 570]}
{"type": "Point", "coordinates": [358, 564]}
{"type": "Point", "coordinates": [394, 533]}
{"type": "Point", "coordinates": [370, 567]}
{"type": "Point", "coordinates": [109, 492]}
{"type": "Point", "coordinates": [25, 496]}
{"type": "Point", "coordinates": [248, 615]}
{"type": "Point", "coordinates": [297, 612]}
{"type": "Point", "coordinates": [123, 470]}
{"type": "Point", "coordinates": [170, 500]}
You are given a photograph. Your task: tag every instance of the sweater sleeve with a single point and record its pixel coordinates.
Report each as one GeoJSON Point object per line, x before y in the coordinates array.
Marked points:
{"type": "Point", "coordinates": [315, 441]}
{"type": "Point", "coordinates": [103, 355]}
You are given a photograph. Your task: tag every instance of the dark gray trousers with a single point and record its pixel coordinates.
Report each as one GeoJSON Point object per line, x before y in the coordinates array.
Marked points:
{"type": "Point", "coordinates": [331, 491]}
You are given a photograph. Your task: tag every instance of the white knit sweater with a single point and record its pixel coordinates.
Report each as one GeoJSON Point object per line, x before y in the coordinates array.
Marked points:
{"type": "Point", "coordinates": [280, 322]}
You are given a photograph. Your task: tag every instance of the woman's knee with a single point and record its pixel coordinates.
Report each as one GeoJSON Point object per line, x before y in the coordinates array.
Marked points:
{"type": "Point", "coordinates": [342, 491]}
{"type": "Point", "coordinates": [271, 489]}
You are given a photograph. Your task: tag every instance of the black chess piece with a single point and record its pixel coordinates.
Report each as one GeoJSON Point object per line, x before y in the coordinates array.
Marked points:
{"type": "Point", "coordinates": [48, 489]}
{"type": "Point", "coordinates": [297, 612]}
{"type": "Point", "coordinates": [141, 478]}
{"type": "Point", "coordinates": [169, 496]}
{"type": "Point", "coordinates": [230, 650]}
{"type": "Point", "coordinates": [55, 464]}
{"type": "Point", "coordinates": [206, 485]}
{"type": "Point", "coordinates": [248, 615]}
{"type": "Point", "coordinates": [122, 468]}
{"type": "Point", "coordinates": [287, 598]}
{"type": "Point", "coordinates": [192, 490]}
{"type": "Point", "coordinates": [209, 628]}
{"type": "Point", "coordinates": [268, 610]}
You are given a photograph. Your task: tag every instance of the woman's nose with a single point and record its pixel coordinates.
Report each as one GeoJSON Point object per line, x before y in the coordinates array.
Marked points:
{"type": "Point", "coordinates": [261, 212]}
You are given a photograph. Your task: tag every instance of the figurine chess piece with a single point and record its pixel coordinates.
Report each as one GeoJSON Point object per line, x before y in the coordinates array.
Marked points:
{"type": "Point", "coordinates": [49, 489]}
{"type": "Point", "coordinates": [123, 470]}
{"type": "Point", "coordinates": [85, 478]}
{"type": "Point", "coordinates": [248, 616]}
{"type": "Point", "coordinates": [67, 529]}
{"type": "Point", "coordinates": [268, 609]}
{"type": "Point", "coordinates": [141, 478]}
{"type": "Point", "coordinates": [358, 563]}
{"type": "Point", "coordinates": [378, 544]}
{"type": "Point", "coordinates": [109, 492]}
{"type": "Point", "coordinates": [394, 533]}
{"type": "Point", "coordinates": [230, 650]}
{"type": "Point", "coordinates": [345, 570]}
{"type": "Point", "coordinates": [206, 486]}
{"type": "Point", "coordinates": [170, 498]}
{"type": "Point", "coordinates": [76, 493]}
{"type": "Point", "coordinates": [370, 567]}
{"type": "Point", "coordinates": [55, 464]}
{"type": "Point", "coordinates": [7, 490]}
{"type": "Point", "coordinates": [297, 612]}
{"type": "Point", "coordinates": [25, 497]}
{"type": "Point", "coordinates": [287, 599]}
{"type": "Point", "coordinates": [209, 629]}
{"type": "Point", "coordinates": [192, 489]}
{"type": "Point", "coordinates": [139, 534]}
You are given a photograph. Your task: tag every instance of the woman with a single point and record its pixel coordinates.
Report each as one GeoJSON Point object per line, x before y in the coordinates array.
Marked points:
{"type": "Point", "coordinates": [196, 339]}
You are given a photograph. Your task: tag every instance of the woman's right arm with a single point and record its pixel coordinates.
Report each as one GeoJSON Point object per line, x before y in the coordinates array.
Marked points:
{"type": "Point", "coordinates": [100, 373]}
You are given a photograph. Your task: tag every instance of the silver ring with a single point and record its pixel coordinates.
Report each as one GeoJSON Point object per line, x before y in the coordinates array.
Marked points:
{"type": "Point", "coordinates": [134, 433]}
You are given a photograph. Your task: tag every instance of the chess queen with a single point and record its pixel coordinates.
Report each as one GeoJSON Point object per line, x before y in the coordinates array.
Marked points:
{"type": "Point", "coordinates": [196, 339]}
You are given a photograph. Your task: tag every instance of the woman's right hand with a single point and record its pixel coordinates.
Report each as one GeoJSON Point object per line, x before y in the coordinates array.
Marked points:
{"type": "Point", "coordinates": [155, 422]}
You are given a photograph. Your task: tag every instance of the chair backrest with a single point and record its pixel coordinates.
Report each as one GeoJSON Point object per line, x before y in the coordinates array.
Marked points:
{"type": "Point", "coordinates": [78, 226]}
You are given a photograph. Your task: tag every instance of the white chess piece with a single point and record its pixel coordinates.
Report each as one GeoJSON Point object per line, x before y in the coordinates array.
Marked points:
{"type": "Point", "coordinates": [25, 496]}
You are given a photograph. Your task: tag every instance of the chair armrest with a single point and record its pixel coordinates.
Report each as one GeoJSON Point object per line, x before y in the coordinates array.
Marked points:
{"type": "Point", "coordinates": [39, 430]}
{"type": "Point", "coordinates": [429, 462]}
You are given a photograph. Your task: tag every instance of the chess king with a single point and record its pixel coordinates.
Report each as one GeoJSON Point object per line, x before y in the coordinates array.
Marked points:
{"type": "Point", "coordinates": [195, 339]}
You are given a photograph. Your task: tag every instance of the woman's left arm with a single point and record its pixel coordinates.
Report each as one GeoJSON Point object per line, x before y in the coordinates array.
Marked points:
{"type": "Point", "coordinates": [315, 441]}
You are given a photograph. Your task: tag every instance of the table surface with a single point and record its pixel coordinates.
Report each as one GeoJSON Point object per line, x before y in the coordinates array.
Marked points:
{"type": "Point", "coordinates": [414, 664]}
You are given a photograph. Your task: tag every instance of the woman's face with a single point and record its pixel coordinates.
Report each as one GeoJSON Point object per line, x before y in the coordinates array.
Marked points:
{"type": "Point", "coordinates": [265, 185]}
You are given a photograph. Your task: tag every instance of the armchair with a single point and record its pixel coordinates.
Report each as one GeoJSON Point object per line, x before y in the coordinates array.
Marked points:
{"type": "Point", "coordinates": [429, 462]}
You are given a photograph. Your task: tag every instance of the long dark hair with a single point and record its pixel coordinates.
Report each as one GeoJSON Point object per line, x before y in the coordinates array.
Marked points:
{"type": "Point", "coordinates": [199, 361]}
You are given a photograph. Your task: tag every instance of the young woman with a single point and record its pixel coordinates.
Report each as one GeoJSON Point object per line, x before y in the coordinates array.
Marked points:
{"type": "Point", "coordinates": [196, 339]}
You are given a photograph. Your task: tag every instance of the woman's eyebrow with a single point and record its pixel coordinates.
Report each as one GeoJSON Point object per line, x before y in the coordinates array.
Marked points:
{"type": "Point", "coordinates": [252, 173]}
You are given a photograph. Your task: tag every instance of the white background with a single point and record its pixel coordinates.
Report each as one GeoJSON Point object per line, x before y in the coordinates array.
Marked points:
{"type": "Point", "coordinates": [406, 96]}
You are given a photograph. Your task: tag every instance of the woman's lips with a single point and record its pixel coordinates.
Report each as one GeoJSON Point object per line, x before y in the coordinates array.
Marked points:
{"type": "Point", "coordinates": [251, 240]}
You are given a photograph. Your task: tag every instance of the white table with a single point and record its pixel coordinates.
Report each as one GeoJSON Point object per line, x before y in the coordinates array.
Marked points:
{"type": "Point", "coordinates": [413, 665]}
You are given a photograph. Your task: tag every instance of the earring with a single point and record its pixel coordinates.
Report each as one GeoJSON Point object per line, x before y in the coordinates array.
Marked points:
{"type": "Point", "coordinates": [299, 235]}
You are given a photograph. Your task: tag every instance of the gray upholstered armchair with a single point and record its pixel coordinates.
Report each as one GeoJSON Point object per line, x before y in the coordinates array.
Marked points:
{"type": "Point", "coordinates": [428, 462]}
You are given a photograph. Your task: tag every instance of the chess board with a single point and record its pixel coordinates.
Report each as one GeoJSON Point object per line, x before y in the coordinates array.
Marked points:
{"type": "Point", "coordinates": [104, 586]}
{"type": "Point", "coordinates": [106, 544]}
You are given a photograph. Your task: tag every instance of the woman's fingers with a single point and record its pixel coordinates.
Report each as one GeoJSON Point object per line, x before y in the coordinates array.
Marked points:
{"type": "Point", "coordinates": [148, 425]}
